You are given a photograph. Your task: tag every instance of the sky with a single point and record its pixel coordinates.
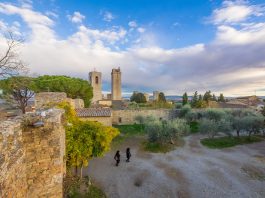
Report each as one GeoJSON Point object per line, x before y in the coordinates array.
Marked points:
{"type": "Point", "coordinates": [174, 46]}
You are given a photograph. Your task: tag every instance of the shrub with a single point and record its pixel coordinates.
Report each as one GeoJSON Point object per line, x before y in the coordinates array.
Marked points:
{"type": "Point", "coordinates": [184, 110]}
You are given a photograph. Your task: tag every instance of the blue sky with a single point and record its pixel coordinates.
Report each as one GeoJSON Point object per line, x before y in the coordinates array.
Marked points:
{"type": "Point", "coordinates": [172, 46]}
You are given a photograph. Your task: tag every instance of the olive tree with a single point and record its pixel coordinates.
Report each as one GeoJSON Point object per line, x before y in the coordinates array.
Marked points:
{"type": "Point", "coordinates": [165, 131]}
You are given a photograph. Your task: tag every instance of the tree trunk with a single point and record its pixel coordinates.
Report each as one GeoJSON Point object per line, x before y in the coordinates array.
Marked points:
{"type": "Point", "coordinates": [237, 132]}
{"type": "Point", "coordinates": [81, 172]}
{"type": "Point", "coordinates": [76, 169]}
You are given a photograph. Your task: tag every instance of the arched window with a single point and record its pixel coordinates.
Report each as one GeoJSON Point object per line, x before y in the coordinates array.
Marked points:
{"type": "Point", "coordinates": [96, 79]}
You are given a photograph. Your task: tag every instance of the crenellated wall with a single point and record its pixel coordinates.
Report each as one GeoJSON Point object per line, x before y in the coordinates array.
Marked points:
{"type": "Point", "coordinates": [32, 158]}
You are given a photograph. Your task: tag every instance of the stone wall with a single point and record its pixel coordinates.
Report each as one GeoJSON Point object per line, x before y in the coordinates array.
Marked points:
{"type": "Point", "coordinates": [107, 121]}
{"type": "Point", "coordinates": [128, 116]}
{"type": "Point", "coordinates": [13, 182]}
{"type": "Point", "coordinates": [32, 158]}
{"type": "Point", "coordinates": [43, 99]}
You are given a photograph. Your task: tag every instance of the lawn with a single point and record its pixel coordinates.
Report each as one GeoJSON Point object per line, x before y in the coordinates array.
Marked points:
{"type": "Point", "coordinates": [127, 131]}
{"type": "Point", "coordinates": [225, 142]}
{"type": "Point", "coordinates": [155, 147]}
{"type": "Point", "coordinates": [132, 129]}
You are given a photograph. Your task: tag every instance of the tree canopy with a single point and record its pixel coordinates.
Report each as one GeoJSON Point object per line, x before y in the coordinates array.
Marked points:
{"type": "Point", "coordinates": [161, 97]}
{"type": "Point", "coordinates": [138, 98]}
{"type": "Point", "coordinates": [85, 139]}
{"type": "Point", "coordinates": [73, 87]}
{"type": "Point", "coordinates": [185, 99]}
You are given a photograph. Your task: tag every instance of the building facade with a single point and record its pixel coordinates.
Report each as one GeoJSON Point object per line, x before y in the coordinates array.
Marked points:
{"type": "Point", "coordinates": [155, 95]}
{"type": "Point", "coordinates": [96, 82]}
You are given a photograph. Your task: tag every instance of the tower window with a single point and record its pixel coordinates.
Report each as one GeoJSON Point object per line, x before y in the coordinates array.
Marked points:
{"type": "Point", "coordinates": [96, 79]}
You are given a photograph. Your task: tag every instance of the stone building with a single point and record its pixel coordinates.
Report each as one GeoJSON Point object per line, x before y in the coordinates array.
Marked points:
{"type": "Point", "coordinates": [102, 115]}
{"type": "Point", "coordinates": [116, 84]}
{"type": "Point", "coordinates": [146, 95]}
{"type": "Point", "coordinates": [155, 95]}
{"type": "Point", "coordinates": [96, 82]}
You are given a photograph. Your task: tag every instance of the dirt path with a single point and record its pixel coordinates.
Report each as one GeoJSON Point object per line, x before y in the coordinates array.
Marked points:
{"type": "Point", "coordinates": [190, 171]}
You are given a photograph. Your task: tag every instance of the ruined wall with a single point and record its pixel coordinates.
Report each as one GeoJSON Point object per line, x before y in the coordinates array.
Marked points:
{"type": "Point", "coordinates": [32, 158]}
{"type": "Point", "coordinates": [128, 116]}
{"type": "Point", "coordinates": [107, 121]}
{"type": "Point", "coordinates": [13, 182]}
{"type": "Point", "coordinates": [44, 98]}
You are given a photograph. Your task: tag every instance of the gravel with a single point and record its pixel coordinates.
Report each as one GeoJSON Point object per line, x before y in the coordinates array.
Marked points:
{"type": "Point", "coordinates": [190, 171]}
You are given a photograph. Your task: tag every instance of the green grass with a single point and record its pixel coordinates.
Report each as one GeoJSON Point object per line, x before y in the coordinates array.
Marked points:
{"type": "Point", "coordinates": [76, 188]}
{"type": "Point", "coordinates": [95, 192]}
{"type": "Point", "coordinates": [225, 142]}
{"type": "Point", "coordinates": [155, 147]}
{"type": "Point", "coordinates": [194, 127]}
{"type": "Point", "coordinates": [127, 131]}
{"type": "Point", "coordinates": [132, 129]}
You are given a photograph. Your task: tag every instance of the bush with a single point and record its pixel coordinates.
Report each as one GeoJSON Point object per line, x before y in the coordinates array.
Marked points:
{"type": "Point", "coordinates": [166, 131]}
{"type": "Point", "coordinates": [184, 110]}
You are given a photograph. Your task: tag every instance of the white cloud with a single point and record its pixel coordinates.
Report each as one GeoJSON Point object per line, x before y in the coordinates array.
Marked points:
{"type": "Point", "coordinates": [108, 16]}
{"type": "Point", "coordinates": [132, 24]}
{"type": "Point", "coordinates": [235, 11]}
{"type": "Point", "coordinates": [77, 17]}
{"type": "Point", "coordinates": [52, 14]}
{"type": "Point", "coordinates": [141, 30]}
{"type": "Point", "coordinates": [233, 63]}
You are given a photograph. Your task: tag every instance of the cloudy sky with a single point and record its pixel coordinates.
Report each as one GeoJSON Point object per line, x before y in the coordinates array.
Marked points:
{"type": "Point", "coordinates": [172, 46]}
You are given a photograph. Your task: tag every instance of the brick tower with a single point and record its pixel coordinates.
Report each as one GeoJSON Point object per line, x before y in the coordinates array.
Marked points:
{"type": "Point", "coordinates": [116, 84]}
{"type": "Point", "coordinates": [96, 83]}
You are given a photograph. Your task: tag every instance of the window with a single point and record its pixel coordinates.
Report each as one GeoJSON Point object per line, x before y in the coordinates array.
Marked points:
{"type": "Point", "coordinates": [96, 79]}
{"type": "Point", "coordinates": [120, 120]}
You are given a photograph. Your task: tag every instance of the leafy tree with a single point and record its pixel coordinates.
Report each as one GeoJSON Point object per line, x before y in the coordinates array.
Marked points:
{"type": "Point", "coordinates": [214, 114]}
{"type": "Point", "coordinates": [73, 87]}
{"type": "Point", "coordinates": [263, 111]}
{"type": "Point", "coordinates": [184, 110]}
{"type": "Point", "coordinates": [207, 96]}
{"type": "Point", "coordinates": [238, 125]}
{"type": "Point", "coordinates": [185, 99]}
{"type": "Point", "coordinates": [194, 100]}
{"type": "Point", "coordinates": [201, 104]}
{"type": "Point", "coordinates": [85, 139]}
{"type": "Point", "coordinates": [214, 98]}
{"type": "Point", "coordinates": [165, 131]}
{"type": "Point", "coordinates": [253, 123]}
{"type": "Point", "coordinates": [161, 97]}
{"type": "Point", "coordinates": [212, 127]}
{"type": "Point", "coordinates": [221, 98]}
{"type": "Point", "coordinates": [138, 98]}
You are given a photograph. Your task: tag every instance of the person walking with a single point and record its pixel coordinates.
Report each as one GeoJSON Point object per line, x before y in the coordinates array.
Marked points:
{"type": "Point", "coordinates": [117, 158]}
{"type": "Point", "coordinates": [128, 154]}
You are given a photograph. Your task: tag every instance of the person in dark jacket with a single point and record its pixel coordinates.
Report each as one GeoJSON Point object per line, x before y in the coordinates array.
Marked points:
{"type": "Point", "coordinates": [117, 158]}
{"type": "Point", "coordinates": [128, 154]}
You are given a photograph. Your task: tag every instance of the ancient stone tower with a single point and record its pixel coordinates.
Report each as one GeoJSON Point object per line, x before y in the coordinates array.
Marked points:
{"type": "Point", "coordinates": [96, 83]}
{"type": "Point", "coordinates": [116, 84]}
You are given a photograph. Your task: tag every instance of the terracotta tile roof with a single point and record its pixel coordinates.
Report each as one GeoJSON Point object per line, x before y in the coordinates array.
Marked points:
{"type": "Point", "coordinates": [93, 112]}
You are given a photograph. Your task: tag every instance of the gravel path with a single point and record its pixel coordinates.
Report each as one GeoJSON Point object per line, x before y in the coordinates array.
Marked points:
{"type": "Point", "coordinates": [190, 171]}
